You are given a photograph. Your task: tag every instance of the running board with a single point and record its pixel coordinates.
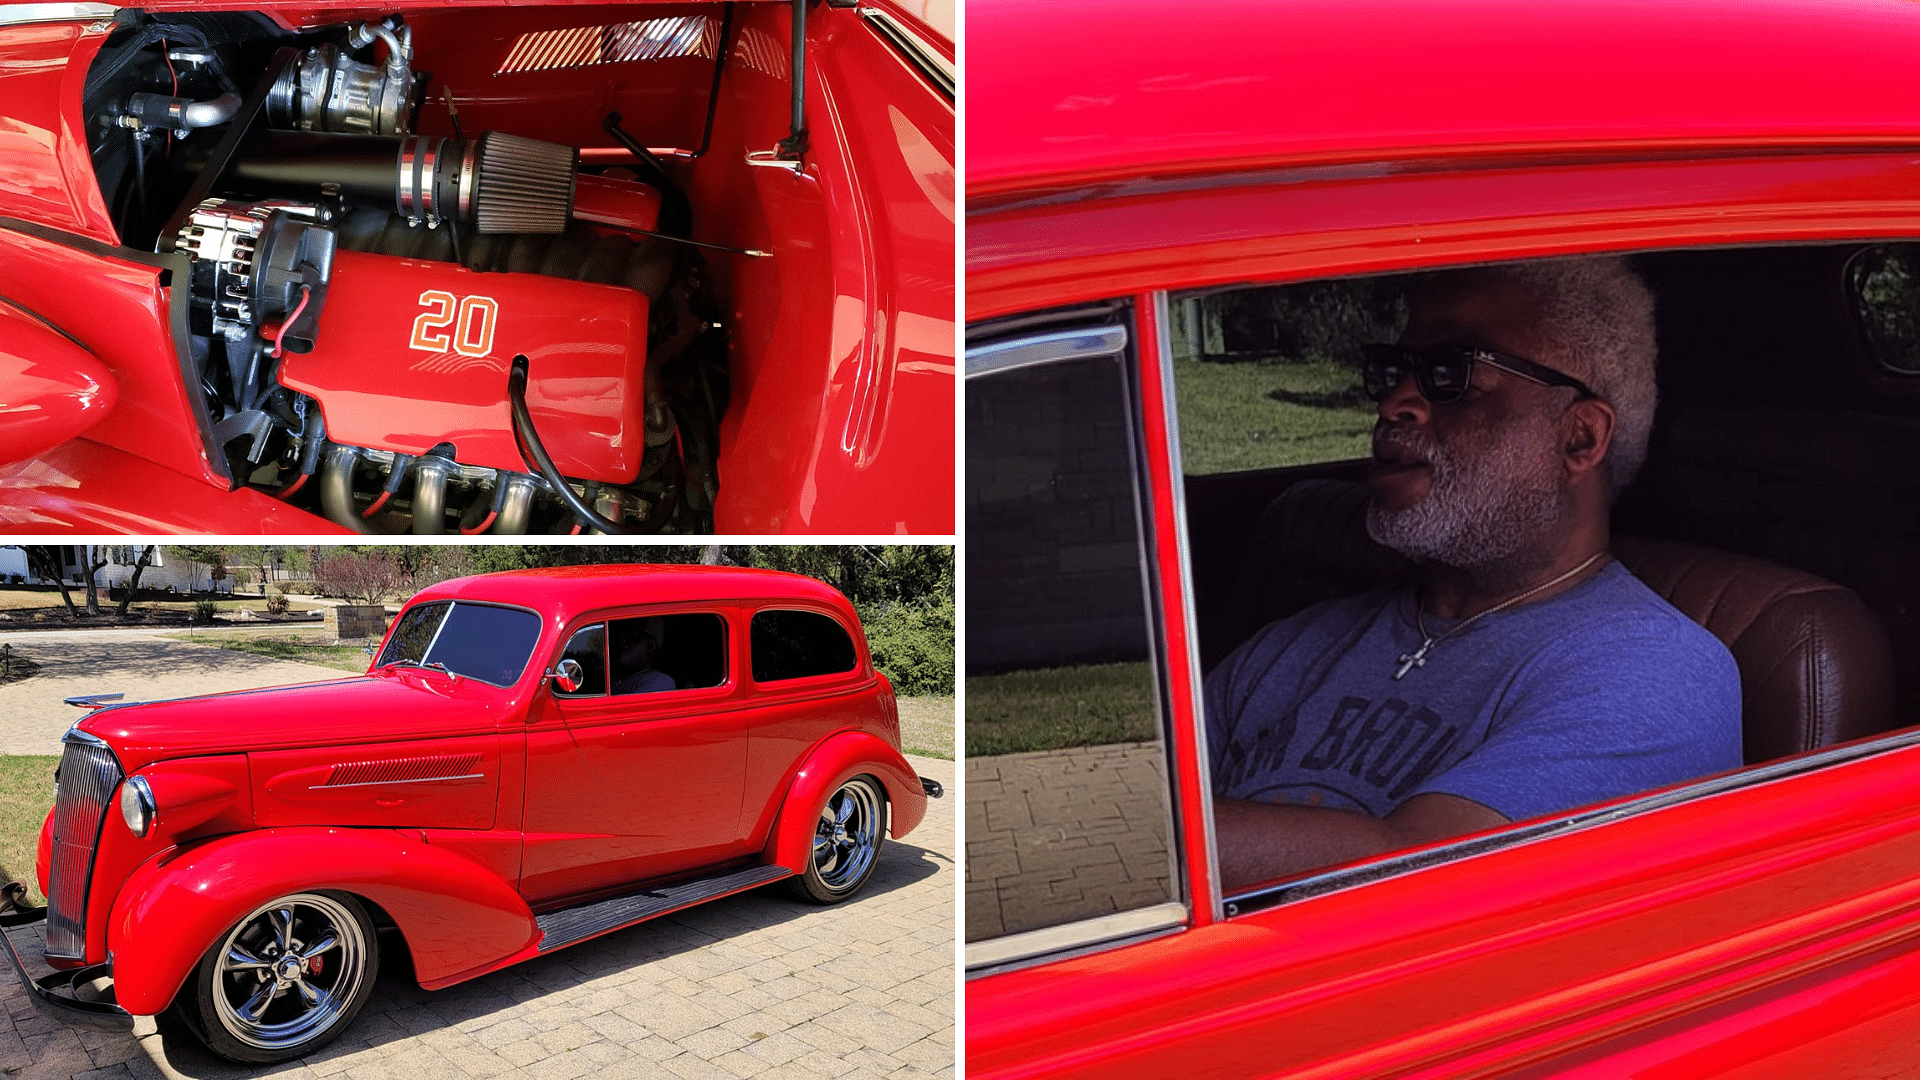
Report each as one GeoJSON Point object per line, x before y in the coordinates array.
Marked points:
{"type": "Point", "coordinates": [567, 926]}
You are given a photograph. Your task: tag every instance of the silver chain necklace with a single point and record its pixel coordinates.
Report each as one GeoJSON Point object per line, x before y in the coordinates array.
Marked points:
{"type": "Point", "coordinates": [1418, 657]}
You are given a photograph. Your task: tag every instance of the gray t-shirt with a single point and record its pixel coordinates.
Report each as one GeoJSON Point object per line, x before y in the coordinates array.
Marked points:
{"type": "Point", "coordinates": [1599, 692]}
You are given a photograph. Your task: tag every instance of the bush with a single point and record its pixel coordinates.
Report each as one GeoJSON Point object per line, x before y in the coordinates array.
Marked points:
{"type": "Point", "coordinates": [205, 610]}
{"type": "Point", "coordinates": [278, 604]}
{"type": "Point", "coordinates": [913, 645]}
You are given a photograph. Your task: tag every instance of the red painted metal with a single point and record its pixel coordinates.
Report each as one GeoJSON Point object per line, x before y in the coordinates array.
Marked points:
{"type": "Point", "coordinates": [410, 354]}
{"type": "Point", "coordinates": [51, 389]}
{"type": "Point", "coordinates": [84, 487]}
{"type": "Point", "coordinates": [313, 787]}
{"type": "Point", "coordinates": [842, 419]}
{"type": "Point", "coordinates": [1201, 891]}
{"type": "Point", "coordinates": [843, 364]}
{"type": "Point", "coordinates": [454, 914]}
{"type": "Point", "coordinates": [840, 759]}
{"type": "Point", "coordinates": [1765, 930]}
{"type": "Point", "coordinates": [623, 204]}
{"type": "Point", "coordinates": [1148, 92]}
{"type": "Point", "coordinates": [43, 146]}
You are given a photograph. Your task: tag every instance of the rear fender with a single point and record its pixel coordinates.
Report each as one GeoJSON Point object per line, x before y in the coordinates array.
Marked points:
{"type": "Point", "coordinates": [455, 914]}
{"type": "Point", "coordinates": [839, 759]}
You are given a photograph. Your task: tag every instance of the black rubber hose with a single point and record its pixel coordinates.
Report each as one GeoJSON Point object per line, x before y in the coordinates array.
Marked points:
{"type": "Point", "coordinates": [534, 453]}
{"type": "Point", "coordinates": [676, 212]}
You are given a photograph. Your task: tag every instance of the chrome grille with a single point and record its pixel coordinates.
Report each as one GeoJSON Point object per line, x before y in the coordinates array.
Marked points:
{"type": "Point", "coordinates": [88, 775]}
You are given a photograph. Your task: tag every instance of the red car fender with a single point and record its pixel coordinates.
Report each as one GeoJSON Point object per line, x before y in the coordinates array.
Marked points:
{"type": "Point", "coordinates": [51, 387]}
{"type": "Point", "coordinates": [44, 854]}
{"type": "Point", "coordinates": [456, 915]}
{"type": "Point", "coordinates": [839, 759]}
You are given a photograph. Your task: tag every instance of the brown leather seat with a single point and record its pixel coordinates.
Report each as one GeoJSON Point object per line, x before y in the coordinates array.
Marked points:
{"type": "Point", "coordinates": [1815, 665]}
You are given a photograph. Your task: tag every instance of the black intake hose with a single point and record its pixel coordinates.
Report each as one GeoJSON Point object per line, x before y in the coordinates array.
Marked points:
{"type": "Point", "coordinates": [499, 183]}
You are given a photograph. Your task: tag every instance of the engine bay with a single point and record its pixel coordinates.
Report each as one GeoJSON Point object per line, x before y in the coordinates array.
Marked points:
{"type": "Point", "coordinates": [402, 315]}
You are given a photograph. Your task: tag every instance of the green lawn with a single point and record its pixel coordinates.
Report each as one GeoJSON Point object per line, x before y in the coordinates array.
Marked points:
{"type": "Point", "coordinates": [26, 791]}
{"type": "Point", "coordinates": [926, 725]}
{"type": "Point", "coordinates": [1267, 415]}
{"type": "Point", "coordinates": [1055, 708]}
{"type": "Point", "coordinates": [312, 647]}
{"type": "Point", "coordinates": [16, 598]}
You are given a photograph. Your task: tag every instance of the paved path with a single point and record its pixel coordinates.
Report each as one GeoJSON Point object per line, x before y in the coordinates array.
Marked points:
{"type": "Point", "coordinates": [1059, 835]}
{"type": "Point", "coordinates": [138, 663]}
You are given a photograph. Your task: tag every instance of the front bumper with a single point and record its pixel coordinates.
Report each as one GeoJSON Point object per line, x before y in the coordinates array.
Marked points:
{"type": "Point", "coordinates": [82, 997]}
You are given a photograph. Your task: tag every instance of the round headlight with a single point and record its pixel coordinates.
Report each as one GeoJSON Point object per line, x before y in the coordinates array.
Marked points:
{"type": "Point", "coordinates": [137, 807]}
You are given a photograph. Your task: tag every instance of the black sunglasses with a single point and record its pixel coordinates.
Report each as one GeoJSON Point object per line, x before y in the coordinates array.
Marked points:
{"type": "Point", "coordinates": [1444, 371]}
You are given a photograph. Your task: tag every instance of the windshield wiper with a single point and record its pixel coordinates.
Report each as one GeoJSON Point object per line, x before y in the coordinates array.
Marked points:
{"type": "Point", "coordinates": [410, 662]}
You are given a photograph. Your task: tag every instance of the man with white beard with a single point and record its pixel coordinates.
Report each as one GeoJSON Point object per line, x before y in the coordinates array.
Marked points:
{"type": "Point", "coordinates": [1525, 672]}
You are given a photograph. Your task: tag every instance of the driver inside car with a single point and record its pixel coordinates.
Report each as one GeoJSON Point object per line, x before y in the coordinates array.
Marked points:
{"type": "Point", "coordinates": [1522, 671]}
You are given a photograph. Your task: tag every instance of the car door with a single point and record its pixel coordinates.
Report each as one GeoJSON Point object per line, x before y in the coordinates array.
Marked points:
{"type": "Point", "coordinates": [1695, 930]}
{"type": "Point", "coordinates": [637, 773]}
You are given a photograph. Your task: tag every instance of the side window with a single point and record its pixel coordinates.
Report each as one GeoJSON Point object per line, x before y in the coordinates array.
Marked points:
{"type": "Point", "coordinates": [588, 647]}
{"type": "Point", "coordinates": [1068, 802]}
{"type": "Point", "coordinates": [656, 653]}
{"type": "Point", "coordinates": [796, 644]}
{"type": "Point", "coordinates": [1267, 381]}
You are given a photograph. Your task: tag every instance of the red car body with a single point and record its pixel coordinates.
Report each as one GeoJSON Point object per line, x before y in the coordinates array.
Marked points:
{"type": "Point", "coordinates": [839, 345]}
{"type": "Point", "coordinates": [1759, 924]}
{"type": "Point", "coordinates": [468, 812]}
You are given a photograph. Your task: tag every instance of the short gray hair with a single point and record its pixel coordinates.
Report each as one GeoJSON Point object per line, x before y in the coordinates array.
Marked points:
{"type": "Point", "coordinates": [1597, 316]}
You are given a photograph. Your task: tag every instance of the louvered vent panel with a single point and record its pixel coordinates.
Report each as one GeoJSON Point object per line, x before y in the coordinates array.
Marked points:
{"type": "Point", "coordinates": [390, 770]}
{"type": "Point", "coordinates": [618, 43]}
{"type": "Point", "coordinates": [88, 776]}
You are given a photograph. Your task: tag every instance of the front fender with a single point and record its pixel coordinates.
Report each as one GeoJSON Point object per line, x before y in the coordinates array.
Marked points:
{"type": "Point", "coordinates": [456, 915]}
{"type": "Point", "coordinates": [835, 761]}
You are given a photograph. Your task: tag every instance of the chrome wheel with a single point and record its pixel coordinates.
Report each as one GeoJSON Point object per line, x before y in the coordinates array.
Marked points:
{"type": "Point", "coordinates": [848, 836]}
{"type": "Point", "coordinates": [287, 975]}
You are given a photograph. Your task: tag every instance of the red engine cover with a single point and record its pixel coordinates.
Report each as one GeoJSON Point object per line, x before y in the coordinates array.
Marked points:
{"type": "Point", "coordinates": [410, 354]}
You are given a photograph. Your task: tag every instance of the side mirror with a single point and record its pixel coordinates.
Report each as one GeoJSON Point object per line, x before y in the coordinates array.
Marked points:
{"type": "Point", "coordinates": [567, 676]}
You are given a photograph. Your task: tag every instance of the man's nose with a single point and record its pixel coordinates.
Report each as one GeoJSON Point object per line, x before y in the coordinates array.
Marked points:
{"type": "Point", "coordinates": [1405, 403]}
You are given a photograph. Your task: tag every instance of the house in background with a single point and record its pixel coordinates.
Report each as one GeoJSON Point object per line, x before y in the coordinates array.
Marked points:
{"type": "Point", "coordinates": [163, 574]}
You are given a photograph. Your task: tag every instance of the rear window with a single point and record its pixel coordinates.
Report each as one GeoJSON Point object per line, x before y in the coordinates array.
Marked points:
{"type": "Point", "coordinates": [797, 644]}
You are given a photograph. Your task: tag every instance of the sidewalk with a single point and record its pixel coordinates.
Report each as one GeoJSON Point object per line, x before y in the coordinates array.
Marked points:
{"type": "Point", "coordinates": [1059, 835]}
{"type": "Point", "coordinates": [138, 663]}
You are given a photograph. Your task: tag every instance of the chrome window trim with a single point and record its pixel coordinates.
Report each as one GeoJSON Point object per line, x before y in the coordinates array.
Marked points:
{"type": "Point", "coordinates": [1050, 943]}
{"type": "Point", "coordinates": [1215, 898]}
{"type": "Point", "coordinates": [915, 48]}
{"type": "Point", "coordinates": [19, 14]}
{"type": "Point", "coordinates": [1574, 821]}
{"type": "Point", "coordinates": [1052, 347]}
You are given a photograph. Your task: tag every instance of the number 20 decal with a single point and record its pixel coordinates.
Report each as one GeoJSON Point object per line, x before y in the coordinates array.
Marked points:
{"type": "Point", "coordinates": [471, 318]}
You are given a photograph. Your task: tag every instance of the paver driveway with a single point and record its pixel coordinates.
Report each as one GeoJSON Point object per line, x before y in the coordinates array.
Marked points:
{"type": "Point", "coordinates": [751, 985]}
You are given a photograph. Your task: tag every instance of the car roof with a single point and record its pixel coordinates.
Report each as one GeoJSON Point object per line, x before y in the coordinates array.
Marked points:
{"type": "Point", "coordinates": [1067, 93]}
{"type": "Point", "coordinates": [570, 590]}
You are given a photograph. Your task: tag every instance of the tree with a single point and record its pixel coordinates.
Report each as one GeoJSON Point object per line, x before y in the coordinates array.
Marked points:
{"type": "Point", "coordinates": [147, 552]}
{"type": "Point", "coordinates": [365, 575]}
{"type": "Point", "coordinates": [211, 556]}
{"type": "Point", "coordinates": [95, 557]}
{"type": "Point", "coordinates": [43, 561]}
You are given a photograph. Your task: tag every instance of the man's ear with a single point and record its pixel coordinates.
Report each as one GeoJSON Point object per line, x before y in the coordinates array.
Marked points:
{"type": "Point", "coordinates": [1588, 430]}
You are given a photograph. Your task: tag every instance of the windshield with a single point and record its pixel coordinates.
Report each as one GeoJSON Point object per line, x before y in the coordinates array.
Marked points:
{"type": "Point", "coordinates": [479, 641]}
